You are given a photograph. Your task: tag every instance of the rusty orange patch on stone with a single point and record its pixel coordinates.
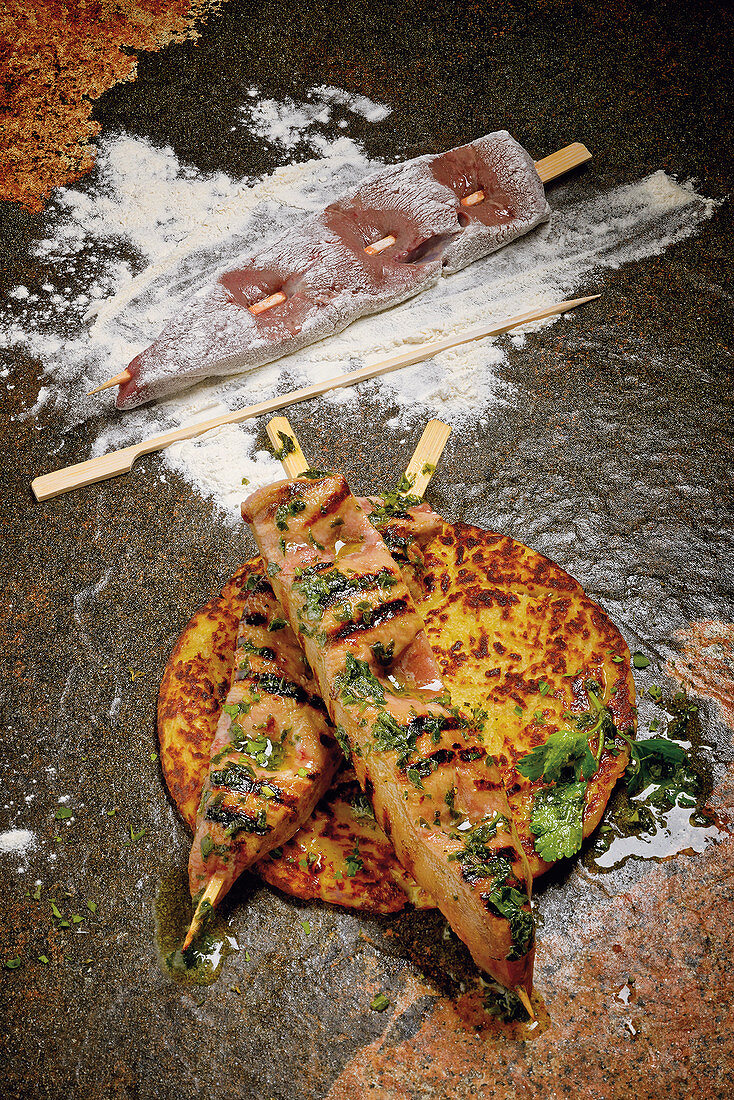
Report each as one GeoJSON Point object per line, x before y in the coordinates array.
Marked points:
{"type": "Point", "coordinates": [639, 1004]}
{"type": "Point", "coordinates": [56, 58]}
{"type": "Point", "coordinates": [706, 663]}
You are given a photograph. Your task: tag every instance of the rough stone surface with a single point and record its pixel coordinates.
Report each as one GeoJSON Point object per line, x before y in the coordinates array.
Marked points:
{"type": "Point", "coordinates": [613, 463]}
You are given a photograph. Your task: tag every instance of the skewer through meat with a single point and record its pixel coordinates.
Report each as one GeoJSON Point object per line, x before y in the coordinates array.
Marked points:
{"type": "Point", "coordinates": [435, 791]}
{"type": "Point", "coordinates": [384, 241]}
{"type": "Point", "coordinates": [273, 756]}
{"type": "Point", "coordinates": [274, 753]}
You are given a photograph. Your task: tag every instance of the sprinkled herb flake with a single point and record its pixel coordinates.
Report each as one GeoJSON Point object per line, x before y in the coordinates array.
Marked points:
{"type": "Point", "coordinates": [354, 861]}
{"type": "Point", "coordinates": [379, 1002]}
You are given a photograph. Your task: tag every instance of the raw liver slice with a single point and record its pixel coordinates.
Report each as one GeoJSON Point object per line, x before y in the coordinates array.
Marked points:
{"type": "Point", "coordinates": [327, 276]}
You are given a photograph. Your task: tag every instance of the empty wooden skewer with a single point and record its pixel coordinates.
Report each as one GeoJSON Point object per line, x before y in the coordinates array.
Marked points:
{"type": "Point", "coordinates": [121, 462]}
{"type": "Point", "coordinates": [281, 435]}
{"type": "Point", "coordinates": [549, 168]}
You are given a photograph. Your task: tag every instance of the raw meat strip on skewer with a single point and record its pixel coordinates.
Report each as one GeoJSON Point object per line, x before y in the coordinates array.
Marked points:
{"type": "Point", "coordinates": [435, 791]}
{"type": "Point", "coordinates": [385, 240]}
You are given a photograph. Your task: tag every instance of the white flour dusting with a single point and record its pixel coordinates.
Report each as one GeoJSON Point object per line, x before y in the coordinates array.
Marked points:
{"type": "Point", "coordinates": [16, 841]}
{"type": "Point", "coordinates": [287, 124]}
{"type": "Point", "coordinates": [180, 228]}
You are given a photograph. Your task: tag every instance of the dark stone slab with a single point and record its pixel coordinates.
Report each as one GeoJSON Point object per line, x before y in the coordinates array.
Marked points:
{"type": "Point", "coordinates": [617, 466]}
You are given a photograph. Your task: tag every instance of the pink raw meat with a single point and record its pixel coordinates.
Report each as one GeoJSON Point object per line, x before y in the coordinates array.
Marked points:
{"type": "Point", "coordinates": [327, 277]}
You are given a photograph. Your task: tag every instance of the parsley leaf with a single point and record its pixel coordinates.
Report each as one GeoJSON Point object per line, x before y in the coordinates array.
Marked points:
{"type": "Point", "coordinates": [564, 749]}
{"type": "Point", "coordinates": [557, 820]}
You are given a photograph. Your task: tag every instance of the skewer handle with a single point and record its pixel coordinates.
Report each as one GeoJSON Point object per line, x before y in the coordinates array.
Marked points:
{"type": "Point", "coordinates": [425, 458]}
{"type": "Point", "coordinates": [571, 156]}
{"type": "Point", "coordinates": [421, 466]}
{"type": "Point", "coordinates": [294, 462]}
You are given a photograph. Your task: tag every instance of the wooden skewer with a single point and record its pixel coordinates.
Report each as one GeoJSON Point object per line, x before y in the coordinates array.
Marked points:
{"type": "Point", "coordinates": [294, 461]}
{"type": "Point", "coordinates": [563, 160]}
{"type": "Point", "coordinates": [430, 447]}
{"type": "Point", "coordinates": [206, 903]}
{"type": "Point", "coordinates": [121, 462]}
{"type": "Point", "coordinates": [418, 472]}
{"type": "Point", "coordinates": [380, 246]}
{"type": "Point", "coordinates": [526, 1002]}
{"type": "Point", "coordinates": [268, 303]}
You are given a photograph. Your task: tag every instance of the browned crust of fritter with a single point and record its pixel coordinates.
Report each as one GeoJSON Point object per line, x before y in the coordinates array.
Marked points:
{"type": "Point", "coordinates": [512, 630]}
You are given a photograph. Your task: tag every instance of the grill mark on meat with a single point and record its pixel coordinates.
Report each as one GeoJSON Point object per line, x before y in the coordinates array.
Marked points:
{"type": "Point", "coordinates": [239, 782]}
{"type": "Point", "coordinates": [384, 613]}
{"type": "Point", "coordinates": [254, 618]}
{"type": "Point", "coordinates": [280, 686]}
{"type": "Point", "coordinates": [332, 502]}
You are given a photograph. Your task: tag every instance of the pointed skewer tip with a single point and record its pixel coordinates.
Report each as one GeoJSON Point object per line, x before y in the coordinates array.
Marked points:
{"type": "Point", "coordinates": [526, 1002]}
{"type": "Point", "coordinates": [123, 376]}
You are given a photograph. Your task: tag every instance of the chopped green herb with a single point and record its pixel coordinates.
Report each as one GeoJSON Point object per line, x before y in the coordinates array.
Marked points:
{"type": "Point", "coordinates": [383, 654]}
{"type": "Point", "coordinates": [284, 512]}
{"type": "Point", "coordinates": [206, 847]}
{"type": "Point", "coordinates": [315, 475]}
{"type": "Point", "coordinates": [517, 710]}
{"type": "Point", "coordinates": [277, 624]}
{"type": "Point", "coordinates": [306, 925]}
{"type": "Point", "coordinates": [361, 806]}
{"type": "Point", "coordinates": [13, 964]}
{"type": "Point", "coordinates": [357, 684]}
{"type": "Point", "coordinates": [137, 834]}
{"type": "Point", "coordinates": [63, 813]}
{"type": "Point", "coordinates": [341, 736]}
{"type": "Point", "coordinates": [379, 1003]}
{"type": "Point", "coordinates": [43, 959]}
{"type": "Point", "coordinates": [354, 861]}
{"type": "Point", "coordinates": [639, 660]}
{"type": "Point", "coordinates": [477, 860]}
{"type": "Point", "coordinates": [92, 906]}
{"type": "Point", "coordinates": [511, 904]}
{"type": "Point", "coordinates": [302, 773]}
{"type": "Point", "coordinates": [661, 769]}
{"type": "Point", "coordinates": [273, 569]}
{"type": "Point", "coordinates": [36, 895]}
{"type": "Point", "coordinates": [543, 687]}
{"type": "Point", "coordinates": [287, 446]}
